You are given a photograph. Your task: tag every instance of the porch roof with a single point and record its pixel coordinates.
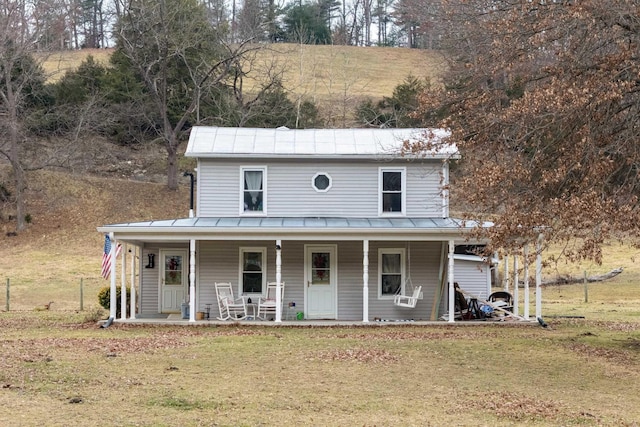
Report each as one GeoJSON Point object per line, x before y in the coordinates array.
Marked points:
{"type": "Point", "coordinates": [294, 228]}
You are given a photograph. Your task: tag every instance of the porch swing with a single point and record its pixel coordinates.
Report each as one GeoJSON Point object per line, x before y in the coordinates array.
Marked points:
{"type": "Point", "coordinates": [409, 300]}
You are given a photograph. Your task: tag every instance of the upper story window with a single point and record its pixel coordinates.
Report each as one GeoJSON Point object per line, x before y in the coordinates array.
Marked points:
{"type": "Point", "coordinates": [321, 182]}
{"type": "Point", "coordinates": [392, 191]}
{"type": "Point", "coordinates": [254, 190]}
{"type": "Point", "coordinates": [252, 270]}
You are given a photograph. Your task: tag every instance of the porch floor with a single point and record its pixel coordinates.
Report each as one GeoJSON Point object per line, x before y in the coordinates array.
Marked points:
{"type": "Point", "coordinates": [175, 321]}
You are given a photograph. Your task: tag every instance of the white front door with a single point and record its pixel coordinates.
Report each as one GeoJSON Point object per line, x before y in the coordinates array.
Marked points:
{"type": "Point", "coordinates": [321, 281]}
{"type": "Point", "coordinates": [173, 279]}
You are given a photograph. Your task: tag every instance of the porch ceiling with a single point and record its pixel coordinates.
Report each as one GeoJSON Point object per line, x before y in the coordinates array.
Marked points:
{"type": "Point", "coordinates": [298, 228]}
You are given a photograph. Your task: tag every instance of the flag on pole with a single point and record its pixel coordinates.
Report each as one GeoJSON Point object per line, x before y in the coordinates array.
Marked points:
{"type": "Point", "coordinates": [106, 256]}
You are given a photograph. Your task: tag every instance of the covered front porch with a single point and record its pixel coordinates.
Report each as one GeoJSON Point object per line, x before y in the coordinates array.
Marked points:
{"type": "Point", "coordinates": [363, 266]}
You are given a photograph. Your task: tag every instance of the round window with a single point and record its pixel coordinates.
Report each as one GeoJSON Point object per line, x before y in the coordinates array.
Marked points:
{"type": "Point", "coordinates": [321, 182]}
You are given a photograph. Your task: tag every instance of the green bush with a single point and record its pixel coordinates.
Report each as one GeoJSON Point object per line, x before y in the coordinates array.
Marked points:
{"type": "Point", "coordinates": [104, 298]}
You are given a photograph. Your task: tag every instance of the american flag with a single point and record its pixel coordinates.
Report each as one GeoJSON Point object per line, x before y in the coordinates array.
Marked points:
{"type": "Point", "coordinates": [106, 256]}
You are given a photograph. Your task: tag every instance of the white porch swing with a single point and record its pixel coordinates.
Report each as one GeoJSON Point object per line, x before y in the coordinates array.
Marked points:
{"type": "Point", "coordinates": [409, 300]}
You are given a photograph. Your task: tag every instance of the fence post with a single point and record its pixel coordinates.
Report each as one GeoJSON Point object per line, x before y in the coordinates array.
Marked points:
{"type": "Point", "coordinates": [586, 288]}
{"type": "Point", "coordinates": [8, 293]}
{"type": "Point", "coordinates": [81, 296]}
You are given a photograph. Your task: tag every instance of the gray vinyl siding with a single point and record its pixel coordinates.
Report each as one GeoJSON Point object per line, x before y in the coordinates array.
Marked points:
{"type": "Point", "coordinates": [353, 193]}
{"type": "Point", "coordinates": [149, 289]}
{"type": "Point", "coordinates": [473, 277]}
{"type": "Point", "coordinates": [218, 261]}
{"type": "Point", "coordinates": [148, 298]}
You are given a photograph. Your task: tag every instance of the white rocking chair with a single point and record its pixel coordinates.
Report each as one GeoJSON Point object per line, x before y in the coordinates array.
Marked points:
{"type": "Point", "coordinates": [267, 305]}
{"type": "Point", "coordinates": [408, 301]}
{"type": "Point", "coordinates": [230, 308]}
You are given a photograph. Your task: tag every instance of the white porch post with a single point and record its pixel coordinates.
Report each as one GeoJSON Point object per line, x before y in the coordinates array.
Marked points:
{"type": "Point", "coordinates": [526, 281]}
{"type": "Point", "coordinates": [192, 280]}
{"type": "Point", "coordinates": [516, 291]}
{"type": "Point", "coordinates": [112, 297]}
{"type": "Point", "coordinates": [539, 276]}
{"type": "Point", "coordinates": [365, 281]}
{"type": "Point", "coordinates": [452, 295]}
{"type": "Point", "coordinates": [506, 273]}
{"type": "Point", "coordinates": [278, 318]}
{"type": "Point", "coordinates": [133, 282]}
{"type": "Point", "coordinates": [123, 284]}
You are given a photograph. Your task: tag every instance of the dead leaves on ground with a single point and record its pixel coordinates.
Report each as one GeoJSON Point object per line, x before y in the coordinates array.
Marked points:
{"type": "Point", "coordinates": [360, 355]}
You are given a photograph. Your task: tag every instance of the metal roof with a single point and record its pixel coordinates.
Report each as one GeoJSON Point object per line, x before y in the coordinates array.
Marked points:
{"type": "Point", "coordinates": [330, 143]}
{"type": "Point", "coordinates": [308, 228]}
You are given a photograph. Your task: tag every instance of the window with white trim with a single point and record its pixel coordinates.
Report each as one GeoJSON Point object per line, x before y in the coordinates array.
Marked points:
{"type": "Point", "coordinates": [253, 277]}
{"type": "Point", "coordinates": [321, 182]}
{"type": "Point", "coordinates": [253, 190]}
{"type": "Point", "coordinates": [391, 273]}
{"type": "Point", "coordinates": [392, 191]}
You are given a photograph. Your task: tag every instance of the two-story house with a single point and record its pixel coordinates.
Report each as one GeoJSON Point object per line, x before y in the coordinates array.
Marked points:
{"type": "Point", "coordinates": [342, 216]}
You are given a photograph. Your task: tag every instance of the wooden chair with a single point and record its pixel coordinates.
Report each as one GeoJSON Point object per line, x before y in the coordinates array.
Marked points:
{"type": "Point", "coordinates": [230, 308]}
{"type": "Point", "coordinates": [267, 305]}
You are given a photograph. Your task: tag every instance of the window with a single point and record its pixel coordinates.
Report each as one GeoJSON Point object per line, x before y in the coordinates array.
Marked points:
{"type": "Point", "coordinates": [321, 182]}
{"type": "Point", "coordinates": [253, 190]}
{"type": "Point", "coordinates": [392, 194]}
{"type": "Point", "coordinates": [252, 270]}
{"type": "Point", "coordinates": [390, 272]}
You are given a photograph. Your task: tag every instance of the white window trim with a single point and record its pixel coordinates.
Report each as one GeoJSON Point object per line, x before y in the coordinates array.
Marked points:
{"type": "Point", "coordinates": [262, 169]}
{"type": "Point", "coordinates": [242, 251]}
{"type": "Point", "coordinates": [313, 182]}
{"type": "Point", "coordinates": [403, 174]}
{"type": "Point", "coordinates": [382, 251]}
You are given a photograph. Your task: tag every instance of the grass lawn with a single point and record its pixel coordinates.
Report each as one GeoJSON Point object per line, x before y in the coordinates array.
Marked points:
{"type": "Point", "coordinates": [58, 370]}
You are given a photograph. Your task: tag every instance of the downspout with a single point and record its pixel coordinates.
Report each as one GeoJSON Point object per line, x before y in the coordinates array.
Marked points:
{"type": "Point", "coordinates": [190, 175]}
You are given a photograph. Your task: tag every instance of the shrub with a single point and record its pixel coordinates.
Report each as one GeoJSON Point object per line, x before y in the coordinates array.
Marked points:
{"type": "Point", "coordinates": [93, 315]}
{"type": "Point", "coordinates": [104, 298]}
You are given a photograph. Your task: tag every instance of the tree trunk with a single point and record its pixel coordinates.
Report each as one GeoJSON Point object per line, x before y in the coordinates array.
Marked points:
{"type": "Point", "coordinates": [172, 163]}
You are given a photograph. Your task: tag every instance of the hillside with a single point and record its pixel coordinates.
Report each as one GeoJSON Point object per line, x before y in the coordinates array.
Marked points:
{"type": "Point", "coordinates": [318, 72]}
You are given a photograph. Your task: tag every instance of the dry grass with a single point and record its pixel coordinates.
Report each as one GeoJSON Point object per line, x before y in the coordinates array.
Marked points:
{"type": "Point", "coordinates": [319, 73]}
{"type": "Point", "coordinates": [66, 372]}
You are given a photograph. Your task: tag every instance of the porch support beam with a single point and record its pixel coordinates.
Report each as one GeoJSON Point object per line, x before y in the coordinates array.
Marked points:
{"type": "Point", "coordinates": [365, 281]}
{"type": "Point", "coordinates": [123, 284]}
{"type": "Point", "coordinates": [112, 297]}
{"type": "Point", "coordinates": [516, 296]}
{"type": "Point", "coordinates": [278, 318]}
{"type": "Point", "coordinates": [133, 282]}
{"type": "Point", "coordinates": [539, 276]}
{"type": "Point", "coordinates": [192, 280]}
{"type": "Point", "coordinates": [526, 281]}
{"type": "Point", "coordinates": [452, 294]}
{"type": "Point", "coordinates": [506, 273]}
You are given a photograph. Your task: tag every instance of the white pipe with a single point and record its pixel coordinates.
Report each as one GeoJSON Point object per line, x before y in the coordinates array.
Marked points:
{"type": "Point", "coordinates": [365, 281]}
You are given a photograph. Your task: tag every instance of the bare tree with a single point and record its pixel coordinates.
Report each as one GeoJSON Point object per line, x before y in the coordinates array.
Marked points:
{"type": "Point", "coordinates": [178, 56]}
{"type": "Point", "coordinates": [543, 100]}
{"type": "Point", "coordinates": [19, 70]}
